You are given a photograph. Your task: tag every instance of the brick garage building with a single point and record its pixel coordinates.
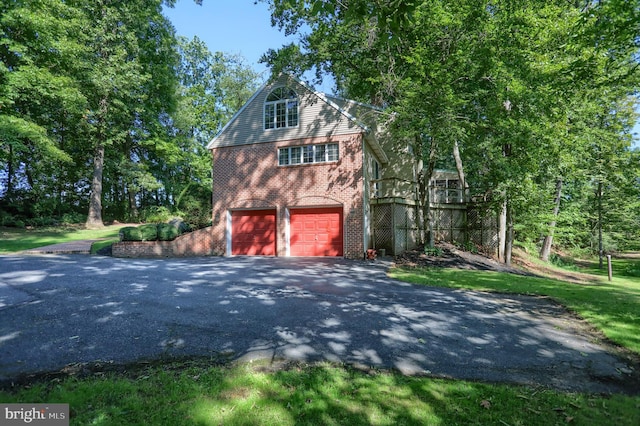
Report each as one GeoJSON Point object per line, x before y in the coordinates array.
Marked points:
{"type": "Point", "coordinates": [292, 175]}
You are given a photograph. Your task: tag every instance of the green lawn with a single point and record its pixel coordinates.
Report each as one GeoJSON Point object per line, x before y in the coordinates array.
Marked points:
{"type": "Point", "coordinates": [17, 239]}
{"type": "Point", "coordinates": [198, 393]}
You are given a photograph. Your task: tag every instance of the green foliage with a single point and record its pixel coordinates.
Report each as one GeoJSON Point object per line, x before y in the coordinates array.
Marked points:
{"type": "Point", "coordinates": [99, 102]}
{"type": "Point", "coordinates": [156, 214]}
{"type": "Point", "coordinates": [130, 233]}
{"type": "Point", "coordinates": [470, 247]}
{"type": "Point", "coordinates": [191, 392]}
{"type": "Point", "coordinates": [148, 232]}
{"type": "Point", "coordinates": [530, 91]}
{"type": "Point", "coordinates": [562, 262]}
{"type": "Point", "coordinates": [632, 270]}
{"type": "Point", "coordinates": [153, 231]}
{"type": "Point", "coordinates": [167, 232]}
{"type": "Point", "coordinates": [433, 251]}
{"type": "Point", "coordinates": [73, 218]}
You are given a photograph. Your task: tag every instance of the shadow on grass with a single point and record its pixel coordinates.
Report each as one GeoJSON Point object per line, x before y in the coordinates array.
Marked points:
{"type": "Point", "coordinates": [197, 393]}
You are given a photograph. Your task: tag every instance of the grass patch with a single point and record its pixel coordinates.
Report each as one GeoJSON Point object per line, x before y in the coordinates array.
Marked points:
{"type": "Point", "coordinates": [99, 245]}
{"type": "Point", "coordinates": [612, 307]}
{"type": "Point", "coordinates": [18, 239]}
{"type": "Point", "coordinates": [314, 395]}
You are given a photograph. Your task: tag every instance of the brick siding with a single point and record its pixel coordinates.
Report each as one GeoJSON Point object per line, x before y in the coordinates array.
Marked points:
{"type": "Point", "coordinates": [248, 176]}
{"type": "Point", "coordinates": [197, 243]}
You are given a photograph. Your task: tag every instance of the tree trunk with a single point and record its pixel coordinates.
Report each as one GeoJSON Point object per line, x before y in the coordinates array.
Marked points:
{"type": "Point", "coordinates": [600, 245]}
{"type": "Point", "coordinates": [9, 193]}
{"type": "Point", "coordinates": [502, 231]}
{"type": "Point", "coordinates": [421, 194]}
{"type": "Point", "coordinates": [427, 173]}
{"type": "Point", "coordinates": [509, 239]}
{"type": "Point", "coordinates": [545, 251]}
{"type": "Point", "coordinates": [464, 186]}
{"type": "Point", "coordinates": [94, 218]}
{"type": "Point", "coordinates": [133, 207]}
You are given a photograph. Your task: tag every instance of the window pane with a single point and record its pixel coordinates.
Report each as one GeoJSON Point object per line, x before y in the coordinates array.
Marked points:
{"type": "Point", "coordinates": [292, 113]}
{"type": "Point", "coordinates": [296, 153]}
{"type": "Point", "coordinates": [281, 93]}
{"type": "Point", "coordinates": [281, 108]}
{"type": "Point", "coordinates": [283, 156]}
{"type": "Point", "coordinates": [320, 154]}
{"type": "Point", "coordinates": [281, 115]}
{"type": "Point", "coordinates": [307, 154]}
{"type": "Point", "coordinates": [269, 114]}
{"type": "Point", "coordinates": [332, 152]}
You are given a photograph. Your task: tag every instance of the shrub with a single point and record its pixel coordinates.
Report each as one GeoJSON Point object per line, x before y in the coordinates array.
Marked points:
{"type": "Point", "coordinates": [155, 214]}
{"type": "Point", "coordinates": [148, 232]}
{"type": "Point", "coordinates": [74, 217]}
{"type": "Point", "coordinates": [167, 232]}
{"type": "Point", "coordinates": [433, 251]}
{"type": "Point", "coordinates": [130, 233]}
{"type": "Point", "coordinates": [7, 219]}
{"type": "Point", "coordinates": [180, 225]}
{"type": "Point", "coordinates": [632, 270]}
{"type": "Point", "coordinates": [43, 221]}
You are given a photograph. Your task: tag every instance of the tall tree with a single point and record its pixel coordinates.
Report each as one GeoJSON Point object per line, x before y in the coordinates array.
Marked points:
{"type": "Point", "coordinates": [40, 101]}
{"type": "Point", "coordinates": [212, 87]}
{"type": "Point", "coordinates": [122, 88]}
{"type": "Point", "coordinates": [489, 80]}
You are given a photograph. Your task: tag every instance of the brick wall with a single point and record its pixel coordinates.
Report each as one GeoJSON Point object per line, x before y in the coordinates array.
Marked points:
{"type": "Point", "coordinates": [248, 176]}
{"type": "Point", "coordinates": [197, 243]}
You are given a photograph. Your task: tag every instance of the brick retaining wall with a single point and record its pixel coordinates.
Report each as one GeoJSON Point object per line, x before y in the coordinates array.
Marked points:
{"type": "Point", "coordinates": [197, 243]}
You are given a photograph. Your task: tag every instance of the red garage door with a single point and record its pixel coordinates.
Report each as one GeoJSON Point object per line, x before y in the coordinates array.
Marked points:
{"type": "Point", "coordinates": [316, 232]}
{"type": "Point", "coordinates": [253, 232]}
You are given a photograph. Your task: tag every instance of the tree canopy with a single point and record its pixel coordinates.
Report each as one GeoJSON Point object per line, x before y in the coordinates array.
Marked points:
{"type": "Point", "coordinates": [533, 99]}
{"type": "Point", "coordinates": [105, 113]}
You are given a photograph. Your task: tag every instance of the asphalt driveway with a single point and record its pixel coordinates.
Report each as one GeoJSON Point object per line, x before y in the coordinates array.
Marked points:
{"type": "Point", "coordinates": [66, 309]}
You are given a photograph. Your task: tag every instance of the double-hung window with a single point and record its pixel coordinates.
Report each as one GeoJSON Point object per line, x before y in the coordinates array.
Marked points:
{"type": "Point", "coordinates": [281, 109]}
{"type": "Point", "coordinates": [308, 154]}
{"type": "Point", "coordinates": [376, 179]}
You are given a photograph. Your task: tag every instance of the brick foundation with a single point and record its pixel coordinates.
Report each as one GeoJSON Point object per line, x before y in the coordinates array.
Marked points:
{"type": "Point", "coordinates": [197, 243]}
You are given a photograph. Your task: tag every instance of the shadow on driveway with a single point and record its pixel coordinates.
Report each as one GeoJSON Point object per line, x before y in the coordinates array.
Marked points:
{"type": "Point", "coordinates": [61, 310]}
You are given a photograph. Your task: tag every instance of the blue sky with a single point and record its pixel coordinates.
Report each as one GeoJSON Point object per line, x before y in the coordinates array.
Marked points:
{"type": "Point", "coordinates": [240, 27]}
{"type": "Point", "coordinates": [231, 26]}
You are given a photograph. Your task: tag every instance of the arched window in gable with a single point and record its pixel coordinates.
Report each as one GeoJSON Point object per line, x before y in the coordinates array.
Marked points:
{"type": "Point", "coordinates": [281, 109]}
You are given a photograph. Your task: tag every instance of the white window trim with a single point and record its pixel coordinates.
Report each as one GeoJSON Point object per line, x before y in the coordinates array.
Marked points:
{"type": "Point", "coordinates": [376, 177]}
{"type": "Point", "coordinates": [229, 236]}
{"type": "Point", "coordinates": [274, 123]}
{"type": "Point", "coordinates": [313, 154]}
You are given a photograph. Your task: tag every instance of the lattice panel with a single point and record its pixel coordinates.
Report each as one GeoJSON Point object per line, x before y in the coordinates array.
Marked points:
{"type": "Point", "coordinates": [382, 232]}
{"type": "Point", "coordinates": [402, 228]}
{"type": "Point", "coordinates": [483, 229]}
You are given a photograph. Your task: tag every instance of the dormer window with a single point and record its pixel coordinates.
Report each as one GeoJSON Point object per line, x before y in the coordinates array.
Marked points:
{"type": "Point", "coordinates": [281, 109]}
